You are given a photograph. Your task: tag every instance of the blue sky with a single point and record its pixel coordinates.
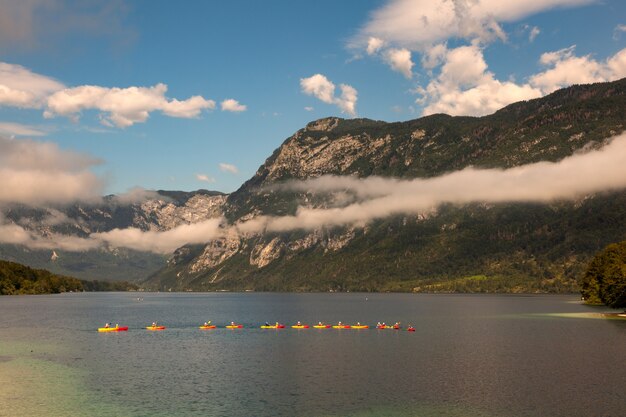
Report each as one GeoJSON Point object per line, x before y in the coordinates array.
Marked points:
{"type": "Point", "coordinates": [85, 75]}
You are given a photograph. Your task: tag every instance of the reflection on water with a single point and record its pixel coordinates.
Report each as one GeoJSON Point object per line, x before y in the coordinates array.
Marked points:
{"type": "Point", "coordinates": [470, 356]}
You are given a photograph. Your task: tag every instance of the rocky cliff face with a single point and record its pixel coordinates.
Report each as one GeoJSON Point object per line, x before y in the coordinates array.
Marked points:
{"type": "Point", "coordinates": [435, 249]}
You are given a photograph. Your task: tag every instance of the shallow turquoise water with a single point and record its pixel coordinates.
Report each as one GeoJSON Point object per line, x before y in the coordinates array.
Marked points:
{"type": "Point", "coordinates": [472, 355]}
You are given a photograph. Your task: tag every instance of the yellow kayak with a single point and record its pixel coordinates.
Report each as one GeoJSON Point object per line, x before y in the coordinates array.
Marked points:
{"type": "Point", "coordinates": [322, 326]}
{"type": "Point", "coordinates": [360, 326]}
{"type": "Point", "coordinates": [155, 328]}
{"type": "Point", "coordinates": [300, 326]}
{"type": "Point", "coordinates": [234, 326]}
{"type": "Point", "coordinates": [273, 326]}
{"type": "Point", "coordinates": [113, 329]}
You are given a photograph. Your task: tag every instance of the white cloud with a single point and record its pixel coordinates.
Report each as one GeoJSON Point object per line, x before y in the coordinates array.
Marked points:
{"type": "Point", "coordinates": [464, 85]}
{"type": "Point", "coordinates": [14, 234]}
{"type": "Point", "coordinates": [434, 56]}
{"type": "Point", "coordinates": [123, 106]}
{"type": "Point", "coordinates": [618, 30]}
{"type": "Point", "coordinates": [400, 60]}
{"type": "Point", "coordinates": [224, 167]}
{"type": "Point", "coordinates": [205, 178]}
{"type": "Point", "coordinates": [323, 89]}
{"type": "Point", "coordinates": [233, 106]}
{"type": "Point", "coordinates": [162, 242]}
{"type": "Point", "coordinates": [416, 24]}
{"type": "Point", "coordinates": [17, 129]}
{"type": "Point", "coordinates": [309, 108]}
{"type": "Point", "coordinates": [137, 195]}
{"type": "Point", "coordinates": [36, 173]}
{"type": "Point", "coordinates": [534, 32]}
{"type": "Point", "coordinates": [374, 45]}
{"type": "Point", "coordinates": [568, 69]}
{"type": "Point", "coordinates": [20, 87]}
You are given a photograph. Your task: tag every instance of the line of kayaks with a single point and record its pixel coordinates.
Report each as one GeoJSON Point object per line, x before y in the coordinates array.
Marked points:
{"type": "Point", "coordinates": [233, 325]}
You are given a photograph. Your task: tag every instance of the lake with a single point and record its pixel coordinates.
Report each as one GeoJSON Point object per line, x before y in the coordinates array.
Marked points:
{"type": "Point", "coordinates": [471, 355]}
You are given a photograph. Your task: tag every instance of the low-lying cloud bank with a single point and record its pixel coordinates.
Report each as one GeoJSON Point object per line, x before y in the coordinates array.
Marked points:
{"type": "Point", "coordinates": [36, 173]}
{"type": "Point", "coordinates": [376, 198]}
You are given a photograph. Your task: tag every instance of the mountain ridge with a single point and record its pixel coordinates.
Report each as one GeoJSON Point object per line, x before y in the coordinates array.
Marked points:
{"type": "Point", "coordinates": [579, 118]}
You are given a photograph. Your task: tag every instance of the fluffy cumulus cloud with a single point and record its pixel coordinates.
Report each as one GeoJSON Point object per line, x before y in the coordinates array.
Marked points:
{"type": "Point", "coordinates": [37, 173]}
{"type": "Point", "coordinates": [224, 167]}
{"type": "Point", "coordinates": [20, 87]}
{"type": "Point", "coordinates": [400, 60]}
{"type": "Point", "coordinates": [566, 69]}
{"type": "Point", "coordinates": [323, 89]}
{"type": "Point", "coordinates": [233, 105]}
{"type": "Point", "coordinates": [465, 86]}
{"type": "Point", "coordinates": [123, 107]}
{"type": "Point", "coordinates": [374, 45]}
{"type": "Point", "coordinates": [459, 80]}
{"type": "Point", "coordinates": [416, 24]}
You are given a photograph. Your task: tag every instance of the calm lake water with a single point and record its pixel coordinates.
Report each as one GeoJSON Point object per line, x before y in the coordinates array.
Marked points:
{"type": "Point", "coordinates": [472, 355]}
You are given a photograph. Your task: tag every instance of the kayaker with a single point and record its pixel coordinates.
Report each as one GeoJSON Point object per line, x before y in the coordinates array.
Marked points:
{"type": "Point", "coordinates": [267, 324]}
{"type": "Point", "coordinates": [319, 323]}
{"type": "Point", "coordinates": [299, 324]}
{"type": "Point", "coordinates": [106, 326]}
{"type": "Point", "coordinates": [378, 324]}
{"type": "Point", "coordinates": [154, 324]}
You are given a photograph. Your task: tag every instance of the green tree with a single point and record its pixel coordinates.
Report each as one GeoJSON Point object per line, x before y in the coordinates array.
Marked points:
{"type": "Point", "coordinates": [605, 278]}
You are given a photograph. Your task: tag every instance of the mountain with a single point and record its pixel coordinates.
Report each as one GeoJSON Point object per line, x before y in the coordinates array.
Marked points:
{"type": "Point", "coordinates": [505, 247]}
{"type": "Point", "coordinates": [163, 211]}
{"type": "Point", "coordinates": [475, 247]}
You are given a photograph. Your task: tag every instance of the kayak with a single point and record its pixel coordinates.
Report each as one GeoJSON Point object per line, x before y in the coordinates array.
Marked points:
{"type": "Point", "coordinates": [300, 326]}
{"type": "Point", "coordinates": [341, 326]}
{"type": "Point", "coordinates": [410, 329]}
{"type": "Point", "coordinates": [360, 326]}
{"type": "Point", "coordinates": [322, 326]}
{"type": "Point", "coordinates": [235, 326]}
{"type": "Point", "coordinates": [208, 327]}
{"type": "Point", "coordinates": [155, 328]}
{"type": "Point", "coordinates": [386, 327]}
{"type": "Point", "coordinates": [113, 329]}
{"type": "Point", "coordinates": [273, 326]}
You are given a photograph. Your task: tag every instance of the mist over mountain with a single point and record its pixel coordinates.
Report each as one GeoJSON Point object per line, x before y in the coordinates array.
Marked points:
{"type": "Point", "coordinates": [516, 201]}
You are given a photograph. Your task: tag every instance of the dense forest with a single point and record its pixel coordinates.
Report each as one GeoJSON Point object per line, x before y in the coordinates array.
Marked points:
{"type": "Point", "coordinates": [20, 279]}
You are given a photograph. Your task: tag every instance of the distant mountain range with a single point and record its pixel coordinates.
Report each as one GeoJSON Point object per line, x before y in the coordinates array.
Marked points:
{"type": "Point", "coordinates": [496, 247]}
